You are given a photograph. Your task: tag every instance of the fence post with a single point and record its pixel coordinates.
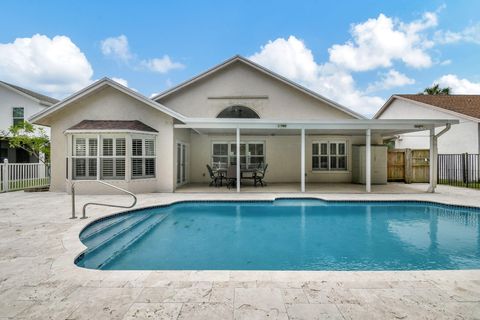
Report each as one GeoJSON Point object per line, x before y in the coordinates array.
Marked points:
{"type": "Point", "coordinates": [5, 175]}
{"type": "Point", "coordinates": [465, 168]}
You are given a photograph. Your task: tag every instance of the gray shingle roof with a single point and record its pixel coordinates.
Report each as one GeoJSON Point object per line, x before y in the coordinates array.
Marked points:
{"type": "Point", "coordinates": [43, 98]}
{"type": "Point", "coordinates": [131, 125]}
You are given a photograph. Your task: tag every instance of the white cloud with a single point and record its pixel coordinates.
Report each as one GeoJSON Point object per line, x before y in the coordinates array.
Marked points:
{"type": "Point", "coordinates": [469, 34]}
{"type": "Point", "coordinates": [292, 59]}
{"type": "Point", "coordinates": [54, 66]}
{"type": "Point", "coordinates": [446, 62]}
{"type": "Point", "coordinates": [459, 86]}
{"type": "Point", "coordinates": [162, 65]}
{"type": "Point", "coordinates": [122, 81]}
{"type": "Point", "coordinates": [116, 47]}
{"type": "Point", "coordinates": [379, 42]}
{"type": "Point", "coordinates": [390, 79]}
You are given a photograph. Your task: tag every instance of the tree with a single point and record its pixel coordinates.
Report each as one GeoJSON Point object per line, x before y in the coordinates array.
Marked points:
{"type": "Point", "coordinates": [436, 90]}
{"type": "Point", "coordinates": [30, 138]}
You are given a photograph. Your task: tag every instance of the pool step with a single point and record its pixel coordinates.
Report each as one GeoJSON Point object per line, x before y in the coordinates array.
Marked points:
{"type": "Point", "coordinates": [103, 253]}
{"type": "Point", "coordinates": [102, 226]}
{"type": "Point", "coordinates": [111, 231]}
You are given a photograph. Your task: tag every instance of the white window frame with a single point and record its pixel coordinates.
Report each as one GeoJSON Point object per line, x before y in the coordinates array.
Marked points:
{"type": "Point", "coordinates": [231, 154]}
{"type": "Point", "coordinates": [114, 157]}
{"type": "Point", "coordinates": [144, 157]}
{"type": "Point", "coordinates": [329, 155]}
{"type": "Point", "coordinates": [88, 157]}
{"type": "Point", "coordinates": [17, 118]}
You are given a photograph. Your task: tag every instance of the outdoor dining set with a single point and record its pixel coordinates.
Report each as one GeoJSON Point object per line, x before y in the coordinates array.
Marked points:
{"type": "Point", "coordinates": [221, 175]}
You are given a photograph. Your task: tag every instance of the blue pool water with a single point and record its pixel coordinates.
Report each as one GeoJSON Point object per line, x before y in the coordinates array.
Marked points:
{"type": "Point", "coordinates": [286, 235]}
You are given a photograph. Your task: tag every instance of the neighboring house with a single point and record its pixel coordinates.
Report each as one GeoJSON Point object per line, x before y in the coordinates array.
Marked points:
{"type": "Point", "coordinates": [16, 105]}
{"type": "Point", "coordinates": [236, 112]}
{"type": "Point", "coordinates": [464, 137]}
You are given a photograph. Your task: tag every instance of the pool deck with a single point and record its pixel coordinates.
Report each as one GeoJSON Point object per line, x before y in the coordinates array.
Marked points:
{"type": "Point", "coordinates": [38, 279]}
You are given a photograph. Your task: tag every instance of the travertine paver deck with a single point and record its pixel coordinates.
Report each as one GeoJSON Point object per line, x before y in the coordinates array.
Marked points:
{"type": "Point", "coordinates": [38, 279]}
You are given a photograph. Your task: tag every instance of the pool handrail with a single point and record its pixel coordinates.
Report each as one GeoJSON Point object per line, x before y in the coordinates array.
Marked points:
{"type": "Point", "coordinates": [84, 216]}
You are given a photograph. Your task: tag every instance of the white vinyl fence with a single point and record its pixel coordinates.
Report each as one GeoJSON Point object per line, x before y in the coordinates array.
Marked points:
{"type": "Point", "coordinates": [19, 176]}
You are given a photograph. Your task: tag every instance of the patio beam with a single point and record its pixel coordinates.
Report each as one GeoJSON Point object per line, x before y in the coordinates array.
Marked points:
{"type": "Point", "coordinates": [302, 161]}
{"type": "Point", "coordinates": [238, 160]}
{"type": "Point", "coordinates": [368, 160]}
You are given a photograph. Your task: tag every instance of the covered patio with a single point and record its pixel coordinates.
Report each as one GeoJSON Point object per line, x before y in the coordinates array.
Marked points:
{"type": "Point", "coordinates": [324, 188]}
{"type": "Point", "coordinates": [297, 152]}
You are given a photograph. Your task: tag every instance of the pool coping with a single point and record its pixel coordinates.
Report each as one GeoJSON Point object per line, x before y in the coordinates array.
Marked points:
{"type": "Point", "coordinates": [75, 248]}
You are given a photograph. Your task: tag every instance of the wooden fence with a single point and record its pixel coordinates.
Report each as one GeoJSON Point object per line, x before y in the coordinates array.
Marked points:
{"type": "Point", "coordinates": [19, 176]}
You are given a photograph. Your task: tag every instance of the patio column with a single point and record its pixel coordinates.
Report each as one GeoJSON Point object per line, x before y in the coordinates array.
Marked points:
{"type": "Point", "coordinates": [302, 161]}
{"type": "Point", "coordinates": [368, 161]}
{"type": "Point", "coordinates": [432, 168]}
{"type": "Point", "coordinates": [238, 159]}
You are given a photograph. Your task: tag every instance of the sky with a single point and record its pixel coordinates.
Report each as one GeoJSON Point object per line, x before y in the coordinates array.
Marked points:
{"type": "Point", "coordinates": [357, 53]}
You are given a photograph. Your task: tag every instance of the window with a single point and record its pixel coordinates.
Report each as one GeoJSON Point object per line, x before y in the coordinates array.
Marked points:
{"type": "Point", "coordinates": [84, 160]}
{"type": "Point", "coordinates": [238, 112]}
{"type": "Point", "coordinates": [143, 158]}
{"type": "Point", "coordinates": [18, 116]}
{"type": "Point", "coordinates": [220, 155]}
{"type": "Point", "coordinates": [252, 154]}
{"type": "Point", "coordinates": [113, 158]}
{"type": "Point", "coordinates": [329, 155]}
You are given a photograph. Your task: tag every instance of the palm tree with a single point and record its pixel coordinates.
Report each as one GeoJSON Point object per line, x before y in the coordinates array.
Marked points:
{"type": "Point", "coordinates": [436, 90]}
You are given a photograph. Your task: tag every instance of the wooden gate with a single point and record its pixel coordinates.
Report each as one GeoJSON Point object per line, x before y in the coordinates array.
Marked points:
{"type": "Point", "coordinates": [396, 165]}
{"type": "Point", "coordinates": [420, 165]}
{"type": "Point", "coordinates": [408, 165]}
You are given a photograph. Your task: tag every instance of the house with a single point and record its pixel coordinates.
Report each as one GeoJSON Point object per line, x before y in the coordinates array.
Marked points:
{"type": "Point", "coordinates": [16, 105]}
{"type": "Point", "coordinates": [462, 138]}
{"type": "Point", "coordinates": [237, 114]}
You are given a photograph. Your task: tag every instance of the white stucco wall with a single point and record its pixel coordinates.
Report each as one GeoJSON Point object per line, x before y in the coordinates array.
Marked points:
{"type": "Point", "coordinates": [281, 101]}
{"type": "Point", "coordinates": [463, 137]}
{"type": "Point", "coordinates": [10, 99]}
{"type": "Point", "coordinates": [110, 104]}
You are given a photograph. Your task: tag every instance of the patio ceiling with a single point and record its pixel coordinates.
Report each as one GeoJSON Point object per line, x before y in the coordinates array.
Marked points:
{"type": "Point", "coordinates": [333, 127]}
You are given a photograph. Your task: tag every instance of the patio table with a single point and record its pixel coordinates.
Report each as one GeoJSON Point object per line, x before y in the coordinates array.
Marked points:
{"type": "Point", "coordinates": [223, 173]}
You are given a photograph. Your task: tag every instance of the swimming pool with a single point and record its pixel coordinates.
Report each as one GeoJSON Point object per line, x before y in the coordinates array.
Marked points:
{"type": "Point", "coordinates": [286, 234]}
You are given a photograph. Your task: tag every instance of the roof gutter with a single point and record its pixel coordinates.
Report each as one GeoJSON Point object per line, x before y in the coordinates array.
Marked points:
{"type": "Point", "coordinates": [447, 127]}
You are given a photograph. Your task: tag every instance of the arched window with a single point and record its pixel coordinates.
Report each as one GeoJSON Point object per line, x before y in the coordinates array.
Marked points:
{"type": "Point", "coordinates": [238, 112]}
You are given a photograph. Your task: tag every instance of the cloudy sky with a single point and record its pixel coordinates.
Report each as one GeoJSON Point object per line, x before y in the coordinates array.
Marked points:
{"type": "Point", "coordinates": [357, 53]}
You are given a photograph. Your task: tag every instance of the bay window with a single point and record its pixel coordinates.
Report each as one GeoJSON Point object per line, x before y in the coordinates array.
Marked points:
{"type": "Point", "coordinates": [329, 155]}
{"type": "Point", "coordinates": [108, 156]}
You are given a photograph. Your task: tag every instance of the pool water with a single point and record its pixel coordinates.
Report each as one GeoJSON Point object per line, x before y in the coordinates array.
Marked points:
{"type": "Point", "coordinates": [286, 235]}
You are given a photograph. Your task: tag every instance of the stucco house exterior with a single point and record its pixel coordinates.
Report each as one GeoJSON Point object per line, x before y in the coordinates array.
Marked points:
{"type": "Point", "coordinates": [462, 138]}
{"type": "Point", "coordinates": [237, 114]}
{"type": "Point", "coordinates": [16, 105]}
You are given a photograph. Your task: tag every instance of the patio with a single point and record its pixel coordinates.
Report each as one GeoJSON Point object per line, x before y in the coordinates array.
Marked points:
{"type": "Point", "coordinates": [310, 188]}
{"type": "Point", "coordinates": [39, 280]}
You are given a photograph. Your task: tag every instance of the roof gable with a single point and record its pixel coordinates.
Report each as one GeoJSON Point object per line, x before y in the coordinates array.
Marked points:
{"type": "Point", "coordinates": [37, 97]}
{"type": "Point", "coordinates": [251, 64]}
{"type": "Point", "coordinates": [466, 106]}
{"type": "Point", "coordinates": [37, 118]}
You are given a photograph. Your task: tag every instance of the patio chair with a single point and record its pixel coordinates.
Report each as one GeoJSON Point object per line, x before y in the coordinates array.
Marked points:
{"type": "Point", "coordinates": [214, 176]}
{"type": "Point", "coordinates": [231, 176]}
{"type": "Point", "coordinates": [259, 176]}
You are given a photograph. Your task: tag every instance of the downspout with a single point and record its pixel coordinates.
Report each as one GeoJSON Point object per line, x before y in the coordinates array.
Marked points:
{"type": "Point", "coordinates": [434, 161]}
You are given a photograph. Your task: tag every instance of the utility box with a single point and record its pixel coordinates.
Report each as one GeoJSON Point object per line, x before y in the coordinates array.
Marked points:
{"type": "Point", "coordinates": [378, 164]}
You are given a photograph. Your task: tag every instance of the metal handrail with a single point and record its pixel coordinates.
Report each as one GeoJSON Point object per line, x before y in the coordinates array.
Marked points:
{"type": "Point", "coordinates": [84, 216]}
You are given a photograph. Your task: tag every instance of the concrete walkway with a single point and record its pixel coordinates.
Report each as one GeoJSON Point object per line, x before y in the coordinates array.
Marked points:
{"type": "Point", "coordinates": [38, 279]}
